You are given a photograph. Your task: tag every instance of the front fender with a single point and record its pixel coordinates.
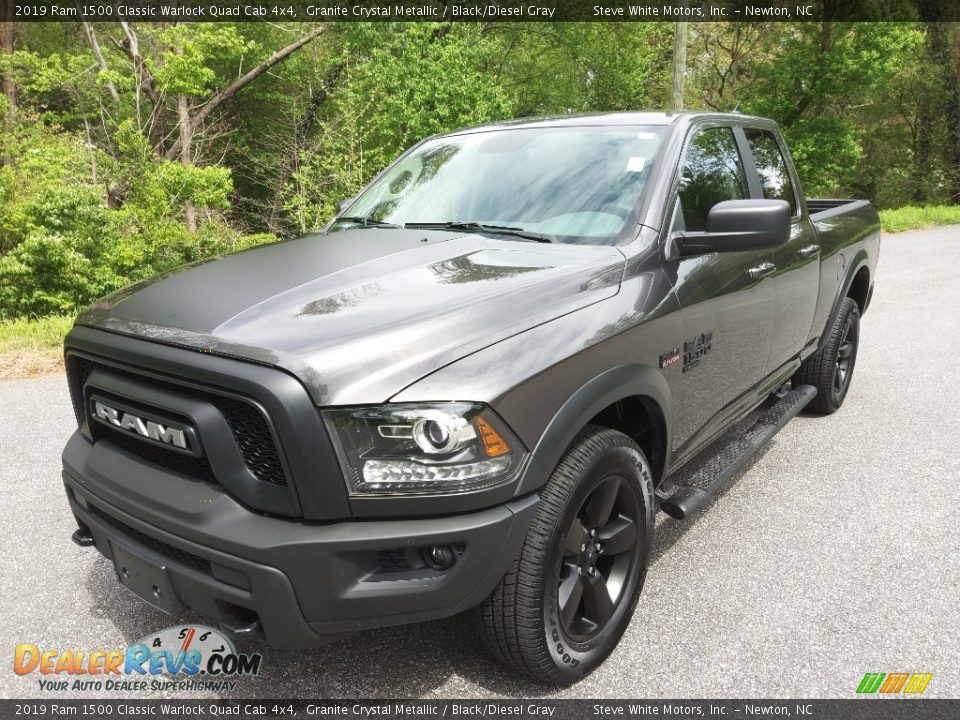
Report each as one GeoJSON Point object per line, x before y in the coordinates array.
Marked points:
{"type": "Point", "coordinates": [582, 406]}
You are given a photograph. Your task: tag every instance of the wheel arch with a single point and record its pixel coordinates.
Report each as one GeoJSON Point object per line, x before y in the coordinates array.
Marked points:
{"type": "Point", "coordinates": [640, 418]}
{"type": "Point", "coordinates": [856, 280]}
{"type": "Point", "coordinates": [859, 288]}
{"type": "Point", "coordinates": [609, 400]}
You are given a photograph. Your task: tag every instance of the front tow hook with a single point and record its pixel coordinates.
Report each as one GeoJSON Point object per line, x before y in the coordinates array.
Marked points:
{"type": "Point", "coordinates": [239, 622]}
{"type": "Point", "coordinates": [82, 537]}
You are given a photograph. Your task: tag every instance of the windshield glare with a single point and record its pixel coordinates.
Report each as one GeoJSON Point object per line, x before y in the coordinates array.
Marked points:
{"type": "Point", "coordinates": [578, 184]}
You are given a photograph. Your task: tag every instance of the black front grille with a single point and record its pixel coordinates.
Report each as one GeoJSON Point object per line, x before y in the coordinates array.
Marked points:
{"type": "Point", "coordinates": [254, 439]}
{"type": "Point", "coordinates": [247, 423]}
{"type": "Point", "coordinates": [158, 546]}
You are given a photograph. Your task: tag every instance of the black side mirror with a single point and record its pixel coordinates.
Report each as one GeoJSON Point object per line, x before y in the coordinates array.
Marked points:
{"type": "Point", "coordinates": [344, 204]}
{"type": "Point", "coordinates": [738, 225]}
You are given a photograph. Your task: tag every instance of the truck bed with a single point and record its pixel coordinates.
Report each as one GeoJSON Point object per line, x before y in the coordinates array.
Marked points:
{"type": "Point", "coordinates": [822, 208]}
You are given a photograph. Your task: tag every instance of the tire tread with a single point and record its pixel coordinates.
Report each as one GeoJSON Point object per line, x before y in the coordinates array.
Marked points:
{"type": "Point", "coordinates": [817, 370]}
{"type": "Point", "coordinates": [511, 621]}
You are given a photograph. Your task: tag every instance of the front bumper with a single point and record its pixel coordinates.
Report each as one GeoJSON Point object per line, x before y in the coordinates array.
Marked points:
{"type": "Point", "coordinates": [298, 583]}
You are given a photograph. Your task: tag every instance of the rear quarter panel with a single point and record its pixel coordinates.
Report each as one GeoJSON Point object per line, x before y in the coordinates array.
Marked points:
{"type": "Point", "coordinates": [849, 237]}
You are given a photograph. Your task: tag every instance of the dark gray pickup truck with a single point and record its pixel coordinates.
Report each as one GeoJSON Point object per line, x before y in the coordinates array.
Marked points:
{"type": "Point", "coordinates": [473, 389]}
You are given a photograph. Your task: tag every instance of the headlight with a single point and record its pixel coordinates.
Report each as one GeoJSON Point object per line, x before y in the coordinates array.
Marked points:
{"type": "Point", "coordinates": [421, 449]}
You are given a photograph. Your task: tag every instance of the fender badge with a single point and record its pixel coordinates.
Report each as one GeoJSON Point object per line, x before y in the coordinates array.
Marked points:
{"type": "Point", "coordinates": [694, 350]}
{"type": "Point", "coordinates": [669, 358]}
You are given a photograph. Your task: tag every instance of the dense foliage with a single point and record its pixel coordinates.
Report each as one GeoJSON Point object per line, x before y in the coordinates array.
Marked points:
{"type": "Point", "coordinates": [129, 149]}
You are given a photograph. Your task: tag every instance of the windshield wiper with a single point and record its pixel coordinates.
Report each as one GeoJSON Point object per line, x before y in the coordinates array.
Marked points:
{"type": "Point", "coordinates": [481, 227]}
{"type": "Point", "coordinates": [365, 221]}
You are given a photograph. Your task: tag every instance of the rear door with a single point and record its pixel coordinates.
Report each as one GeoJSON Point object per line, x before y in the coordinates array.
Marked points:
{"type": "Point", "coordinates": [797, 276]}
{"type": "Point", "coordinates": [727, 299]}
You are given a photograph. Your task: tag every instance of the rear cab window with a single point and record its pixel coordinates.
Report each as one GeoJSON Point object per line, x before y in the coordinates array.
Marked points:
{"type": "Point", "coordinates": [771, 166]}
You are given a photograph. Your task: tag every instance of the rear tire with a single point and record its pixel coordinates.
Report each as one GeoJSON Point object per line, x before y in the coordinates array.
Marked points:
{"type": "Point", "coordinates": [831, 369]}
{"type": "Point", "coordinates": [568, 596]}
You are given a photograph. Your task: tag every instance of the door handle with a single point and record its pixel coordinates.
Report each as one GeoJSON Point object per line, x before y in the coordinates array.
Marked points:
{"type": "Point", "coordinates": [808, 251]}
{"type": "Point", "coordinates": [761, 270]}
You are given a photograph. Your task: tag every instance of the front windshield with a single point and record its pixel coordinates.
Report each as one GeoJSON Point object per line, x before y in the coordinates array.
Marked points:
{"type": "Point", "coordinates": [575, 184]}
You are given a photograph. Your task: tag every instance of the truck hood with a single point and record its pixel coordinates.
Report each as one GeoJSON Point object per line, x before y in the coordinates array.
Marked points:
{"type": "Point", "coordinates": [361, 314]}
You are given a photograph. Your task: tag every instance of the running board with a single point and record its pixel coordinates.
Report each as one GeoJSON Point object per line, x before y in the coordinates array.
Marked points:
{"type": "Point", "coordinates": [696, 482]}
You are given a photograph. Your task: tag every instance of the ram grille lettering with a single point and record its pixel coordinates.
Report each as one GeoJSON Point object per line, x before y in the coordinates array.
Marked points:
{"type": "Point", "coordinates": [139, 426]}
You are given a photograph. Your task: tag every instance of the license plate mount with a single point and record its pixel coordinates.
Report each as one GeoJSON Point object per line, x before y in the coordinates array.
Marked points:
{"type": "Point", "coordinates": [146, 576]}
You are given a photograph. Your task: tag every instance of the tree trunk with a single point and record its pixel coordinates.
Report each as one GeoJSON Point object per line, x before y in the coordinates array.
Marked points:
{"type": "Point", "coordinates": [6, 40]}
{"type": "Point", "coordinates": [922, 147]}
{"type": "Point", "coordinates": [301, 133]}
{"type": "Point", "coordinates": [805, 100]}
{"type": "Point", "coordinates": [197, 120]}
{"type": "Point", "coordinates": [98, 54]}
{"type": "Point", "coordinates": [951, 72]}
{"type": "Point", "coordinates": [826, 36]}
{"type": "Point", "coordinates": [9, 88]}
{"type": "Point", "coordinates": [185, 141]}
{"type": "Point", "coordinates": [148, 114]}
{"type": "Point", "coordinates": [679, 65]}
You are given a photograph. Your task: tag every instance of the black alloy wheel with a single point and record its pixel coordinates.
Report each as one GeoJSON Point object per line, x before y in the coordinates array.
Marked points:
{"type": "Point", "coordinates": [598, 557]}
{"type": "Point", "coordinates": [830, 369]}
{"type": "Point", "coordinates": [846, 357]}
{"type": "Point", "coordinates": [570, 592]}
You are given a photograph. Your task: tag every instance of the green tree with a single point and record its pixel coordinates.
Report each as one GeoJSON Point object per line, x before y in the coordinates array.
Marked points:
{"type": "Point", "coordinates": [399, 83]}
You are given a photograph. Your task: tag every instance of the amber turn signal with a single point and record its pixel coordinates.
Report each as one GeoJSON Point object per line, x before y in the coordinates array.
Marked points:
{"type": "Point", "coordinates": [493, 443]}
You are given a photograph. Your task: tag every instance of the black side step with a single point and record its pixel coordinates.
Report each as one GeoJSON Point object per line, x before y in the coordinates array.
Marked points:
{"type": "Point", "coordinates": [703, 477]}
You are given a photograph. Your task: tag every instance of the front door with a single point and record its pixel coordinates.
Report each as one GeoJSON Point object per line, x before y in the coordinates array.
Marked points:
{"type": "Point", "coordinates": [727, 299]}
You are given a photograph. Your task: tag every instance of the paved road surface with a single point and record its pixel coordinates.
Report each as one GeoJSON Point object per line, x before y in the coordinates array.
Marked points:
{"type": "Point", "coordinates": [835, 554]}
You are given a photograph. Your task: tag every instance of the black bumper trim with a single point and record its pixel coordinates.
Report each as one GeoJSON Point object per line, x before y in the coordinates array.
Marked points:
{"type": "Point", "coordinates": [310, 584]}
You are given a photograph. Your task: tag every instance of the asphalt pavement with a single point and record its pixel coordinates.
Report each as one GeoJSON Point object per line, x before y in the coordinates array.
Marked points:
{"type": "Point", "coordinates": [835, 554]}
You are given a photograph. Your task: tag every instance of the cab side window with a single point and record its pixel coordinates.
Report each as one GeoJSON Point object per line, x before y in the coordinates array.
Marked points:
{"type": "Point", "coordinates": [771, 167]}
{"type": "Point", "coordinates": [712, 172]}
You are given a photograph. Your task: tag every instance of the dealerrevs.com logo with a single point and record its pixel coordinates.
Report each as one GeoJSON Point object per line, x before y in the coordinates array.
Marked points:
{"type": "Point", "coordinates": [189, 658]}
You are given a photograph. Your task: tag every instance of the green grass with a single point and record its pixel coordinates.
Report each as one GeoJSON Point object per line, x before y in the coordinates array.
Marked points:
{"type": "Point", "coordinates": [30, 346]}
{"type": "Point", "coordinates": [915, 218]}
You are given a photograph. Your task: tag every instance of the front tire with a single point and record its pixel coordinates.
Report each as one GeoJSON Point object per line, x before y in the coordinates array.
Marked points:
{"type": "Point", "coordinates": [568, 597]}
{"type": "Point", "coordinates": [831, 369]}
